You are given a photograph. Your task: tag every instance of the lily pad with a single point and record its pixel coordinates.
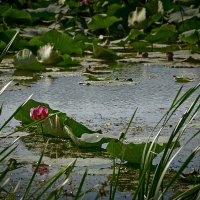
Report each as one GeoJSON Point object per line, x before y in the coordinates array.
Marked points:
{"type": "Point", "coordinates": [67, 61]}
{"type": "Point", "coordinates": [131, 152]}
{"type": "Point", "coordinates": [14, 15]}
{"type": "Point", "coordinates": [104, 53]}
{"type": "Point", "coordinates": [92, 77]}
{"type": "Point", "coordinates": [162, 34]}
{"type": "Point", "coordinates": [191, 37]}
{"type": "Point", "coordinates": [181, 79]}
{"type": "Point", "coordinates": [63, 42]}
{"type": "Point", "coordinates": [102, 21]}
{"type": "Point", "coordinates": [56, 125]}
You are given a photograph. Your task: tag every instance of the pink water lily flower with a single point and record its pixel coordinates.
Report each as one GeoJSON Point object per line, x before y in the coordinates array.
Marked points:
{"type": "Point", "coordinates": [39, 112]}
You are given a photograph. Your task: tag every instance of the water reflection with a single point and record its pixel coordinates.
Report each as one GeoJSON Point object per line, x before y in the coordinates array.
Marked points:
{"type": "Point", "coordinates": [60, 148]}
{"type": "Point", "coordinates": [42, 169]}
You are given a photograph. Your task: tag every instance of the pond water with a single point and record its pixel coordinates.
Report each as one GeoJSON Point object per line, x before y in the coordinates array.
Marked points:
{"type": "Point", "coordinates": [106, 106]}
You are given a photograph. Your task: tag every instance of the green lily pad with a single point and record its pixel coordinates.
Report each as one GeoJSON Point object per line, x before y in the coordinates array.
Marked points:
{"type": "Point", "coordinates": [181, 79]}
{"type": "Point", "coordinates": [92, 77]}
{"type": "Point", "coordinates": [131, 152]}
{"type": "Point", "coordinates": [102, 21]}
{"type": "Point", "coordinates": [162, 35]}
{"type": "Point", "coordinates": [104, 53]}
{"type": "Point", "coordinates": [14, 15]}
{"type": "Point", "coordinates": [191, 37]}
{"type": "Point", "coordinates": [63, 42]}
{"type": "Point", "coordinates": [68, 61]}
{"type": "Point", "coordinates": [55, 125]}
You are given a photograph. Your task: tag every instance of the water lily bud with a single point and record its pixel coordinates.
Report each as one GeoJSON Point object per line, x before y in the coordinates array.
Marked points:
{"type": "Point", "coordinates": [39, 112]}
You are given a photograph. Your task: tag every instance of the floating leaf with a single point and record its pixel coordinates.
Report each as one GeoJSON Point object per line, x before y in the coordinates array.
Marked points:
{"type": "Point", "coordinates": [102, 21]}
{"type": "Point", "coordinates": [25, 60]}
{"type": "Point", "coordinates": [104, 53]}
{"type": "Point", "coordinates": [155, 7]}
{"type": "Point", "coordinates": [14, 15]}
{"type": "Point", "coordinates": [113, 8]}
{"type": "Point", "coordinates": [190, 24]}
{"type": "Point", "coordinates": [68, 61]}
{"type": "Point", "coordinates": [191, 37]}
{"type": "Point", "coordinates": [131, 152]}
{"type": "Point", "coordinates": [55, 125]}
{"type": "Point", "coordinates": [63, 42]}
{"type": "Point", "coordinates": [92, 77]}
{"type": "Point", "coordinates": [186, 13]}
{"type": "Point", "coordinates": [162, 36]}
{"type": "Point", "coordinates": [192, 176]}
{"type": "Point", "coordinates": [181, 79]}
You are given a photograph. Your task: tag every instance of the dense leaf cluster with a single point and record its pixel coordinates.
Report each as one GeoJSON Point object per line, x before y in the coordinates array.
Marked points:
{"type": "Point", "coordinates": [77, 24]}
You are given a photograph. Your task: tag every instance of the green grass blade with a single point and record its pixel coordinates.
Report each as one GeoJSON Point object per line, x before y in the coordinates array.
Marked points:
{"type": "Point", "coordinates": [8, 46]}
{"type": "Point", "coordinates": [4, 88]}
{"type": "Point", "coordinates": [184, 165]}
{"type": "Point", "coordinates": [190, 194]}
{"type": "Point", "coordinates": [8, 120]}
{"type": "Point", "coordinates": [80, 186]}
{"type": "Point", "coordinates": [5, 156]}
{"type": "Point", "coordinates": [56, 193]}
{"type": "Point", "coordinates": [7, 147]}
{"type": "Point", "coordinates": [25, 127]}
{"type": "Point", "coordinates": [147, 158]}
{"type": "Point", "coordinates": [177, 132]}
{"type": "Point", "coordinates": [67, 170]}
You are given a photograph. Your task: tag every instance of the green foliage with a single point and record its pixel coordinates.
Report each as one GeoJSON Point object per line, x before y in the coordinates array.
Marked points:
{"type": "Point", "coordinates": [113, 8]}
{"type": "Point", "coordinates": [60, 125]}
{"type": "Point", "coordinates": [132, 152]}
{"type": "Point", "coordinates": [102, 21]}
{"type": "Point", "coordinates": [67, 61]}
{"type": "Point", "coordinates": [163, 34]}
{"type": "Point", "coordinates": [104, 53]}
{"type": "Point", "coordinates": [13, 15]}
{"type": "Point", "coordinates": [191, 37]}
{"type": "Point", "coordinates": [189, 24]}
{"type": "Point", "coordinates": [92, 77]}
{"type": "Point", "coordinates": [63, 42]}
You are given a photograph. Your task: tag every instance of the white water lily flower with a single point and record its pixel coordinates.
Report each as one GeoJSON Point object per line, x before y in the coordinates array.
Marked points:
{"type": "Point", "coordinates": [46, 54]}
{"type": "Point", "coordinates": [137, 17]}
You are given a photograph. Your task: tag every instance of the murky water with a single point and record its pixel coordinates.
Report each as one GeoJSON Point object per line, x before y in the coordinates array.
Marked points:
{"type": "Point", "coordinates": [151, 90]}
